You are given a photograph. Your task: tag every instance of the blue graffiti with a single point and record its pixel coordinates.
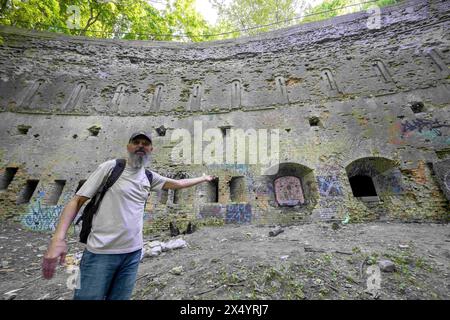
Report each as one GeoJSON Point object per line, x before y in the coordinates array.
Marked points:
{"type": "Point", "coordinates": [238, 213]}
{"type": "Point", "coordinates": [329, 186]}
{"type": "Point", "coordinates": [394, 181]}
{"type": "Point", "coordinates": [427, 128]}
{"type": "Point", "coordinates": [239, 167]}
{"type": "Point", "coordinates": [41, 217]}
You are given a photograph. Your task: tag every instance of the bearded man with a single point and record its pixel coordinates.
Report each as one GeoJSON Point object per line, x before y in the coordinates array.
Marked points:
{"type": "Point", "coordinates": [110, 261]}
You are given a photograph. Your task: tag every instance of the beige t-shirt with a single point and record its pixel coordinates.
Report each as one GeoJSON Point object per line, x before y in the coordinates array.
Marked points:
{"type": "Point", "coordinates": [117, 225]}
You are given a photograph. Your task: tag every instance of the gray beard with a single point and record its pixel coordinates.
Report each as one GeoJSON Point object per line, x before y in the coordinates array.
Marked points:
{"type": "Point", "coordinates": [138, 161]}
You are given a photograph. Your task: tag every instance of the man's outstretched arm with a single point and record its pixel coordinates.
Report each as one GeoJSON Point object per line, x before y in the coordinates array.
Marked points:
{"type": "Point", "coordinates": [185, 183]}
{"type": "Point", "coordinates": [58, 246]}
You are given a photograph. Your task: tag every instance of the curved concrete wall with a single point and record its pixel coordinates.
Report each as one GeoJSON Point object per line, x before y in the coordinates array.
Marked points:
{"type": "Point", "coordinates": [375, 93]}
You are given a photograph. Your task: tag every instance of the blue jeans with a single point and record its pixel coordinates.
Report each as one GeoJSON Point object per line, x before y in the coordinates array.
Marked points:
{"type": "Point", "coordinates": [107, 276]}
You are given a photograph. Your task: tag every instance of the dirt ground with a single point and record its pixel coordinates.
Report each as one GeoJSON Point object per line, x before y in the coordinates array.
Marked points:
{"type": "Point", "coordinates": [309, 261]}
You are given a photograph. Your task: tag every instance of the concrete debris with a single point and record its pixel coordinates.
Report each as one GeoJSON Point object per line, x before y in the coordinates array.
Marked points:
{"type": "Point", "coordinates": [386, 265]}
{"type": "Point", "coordinates": [173, 244]}
{"type": "Point", "coordinates": [177, 270]}
{"type": "Point", "coordinates": [155, 248]}
{"type": "Point", "coordinates": [275, 232]}
{"type": "Point", "coordinates": [4, 264]}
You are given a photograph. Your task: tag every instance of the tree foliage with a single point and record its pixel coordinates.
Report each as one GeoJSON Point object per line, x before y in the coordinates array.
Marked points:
{"type": "Point", "coordinates": [127, 19]}
{"type": "Point", "coordinates": [176, 20]}
{"type": "Point", "coordinates": [256, 16]}
{"type": "Point", "coordinates": [331, 8]}
{"type": "Point", "coordinates": [249, 15]}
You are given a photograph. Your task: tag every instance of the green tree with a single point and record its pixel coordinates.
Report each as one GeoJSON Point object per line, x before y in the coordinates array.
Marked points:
{"type": "Point", "coordinates": [255, 16]}
{"type": "Point", "coordinates": [127, 19]}
{"type": "Point", "coordinates": [331, 8]}
{"type": "Point", "coordinates": [34, 14]}
{"type": "Point", "coordinates": [184, 19]}
{"type": "Point", "coordinates": [178, 20]}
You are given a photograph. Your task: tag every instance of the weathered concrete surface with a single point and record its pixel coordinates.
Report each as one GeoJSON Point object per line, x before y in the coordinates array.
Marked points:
{"type": "Point", "coordinates": [381, 97]}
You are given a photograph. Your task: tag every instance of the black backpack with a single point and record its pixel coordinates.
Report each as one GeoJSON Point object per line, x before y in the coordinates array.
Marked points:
{"type": "Point", "coordinates": [93, 204]}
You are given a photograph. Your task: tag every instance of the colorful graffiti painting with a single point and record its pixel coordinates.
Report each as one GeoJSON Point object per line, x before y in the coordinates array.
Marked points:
{"type": "Point", "coordinates": [288, 191]}
{"type": "Point", "coordinates": [329, 186]}
{"type": "Point", "coordinates": [42, 217]}
{"type": "Point", "coordinates": [428, 129]}
{"type": "Point", "coordinates": [238, 213]}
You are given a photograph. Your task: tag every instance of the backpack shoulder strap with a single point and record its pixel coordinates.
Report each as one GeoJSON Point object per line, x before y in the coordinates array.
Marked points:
{"type": "Point", "coordinates": [115, 173]}
{"type": "Point", "coordinates": [149, 175]}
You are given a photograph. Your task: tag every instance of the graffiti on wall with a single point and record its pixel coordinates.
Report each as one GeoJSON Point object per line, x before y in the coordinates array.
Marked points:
{"type": "Point", "coordinates": [392, 180]}
{"type": "Point", "coordinates": [42, 217]}
{"type": "Point", "coordinates": [238, 213]}
{"type": "Point", "coordinates": [425, 128]}
{"type": "Point", "coordinates": [329, 186]}
{"type": "Point", "coordinates": [214, 211]}
{"type": "Point", "coordinates": [288, 191]}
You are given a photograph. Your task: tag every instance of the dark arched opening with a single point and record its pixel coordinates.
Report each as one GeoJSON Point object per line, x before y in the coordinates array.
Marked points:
{"type": "Point", "coordinates": [362, 186]}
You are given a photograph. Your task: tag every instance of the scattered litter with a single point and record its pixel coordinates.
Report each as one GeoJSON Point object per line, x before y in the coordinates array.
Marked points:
{"type": "Point", "coordinates": [44, 297]}
{"type": "Point", "coordinates": [346, 219]}
{"type": "Point", "coordinates": [10, 295]}
{"type": "Point", "coordinates": [155, 248]}
{"type": "Point", "coordinates": [275, 232]}
{"type": "Point", "coordinates": [155, 251]}
{"type": "Point", "coordinates": [177, 270]}
{"type": "Point", "coordinates": [73, 259]}
{"type": "Point", "coordinates": [12, 291]}
{"type": "Point", "coordinates": [173, 244]}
